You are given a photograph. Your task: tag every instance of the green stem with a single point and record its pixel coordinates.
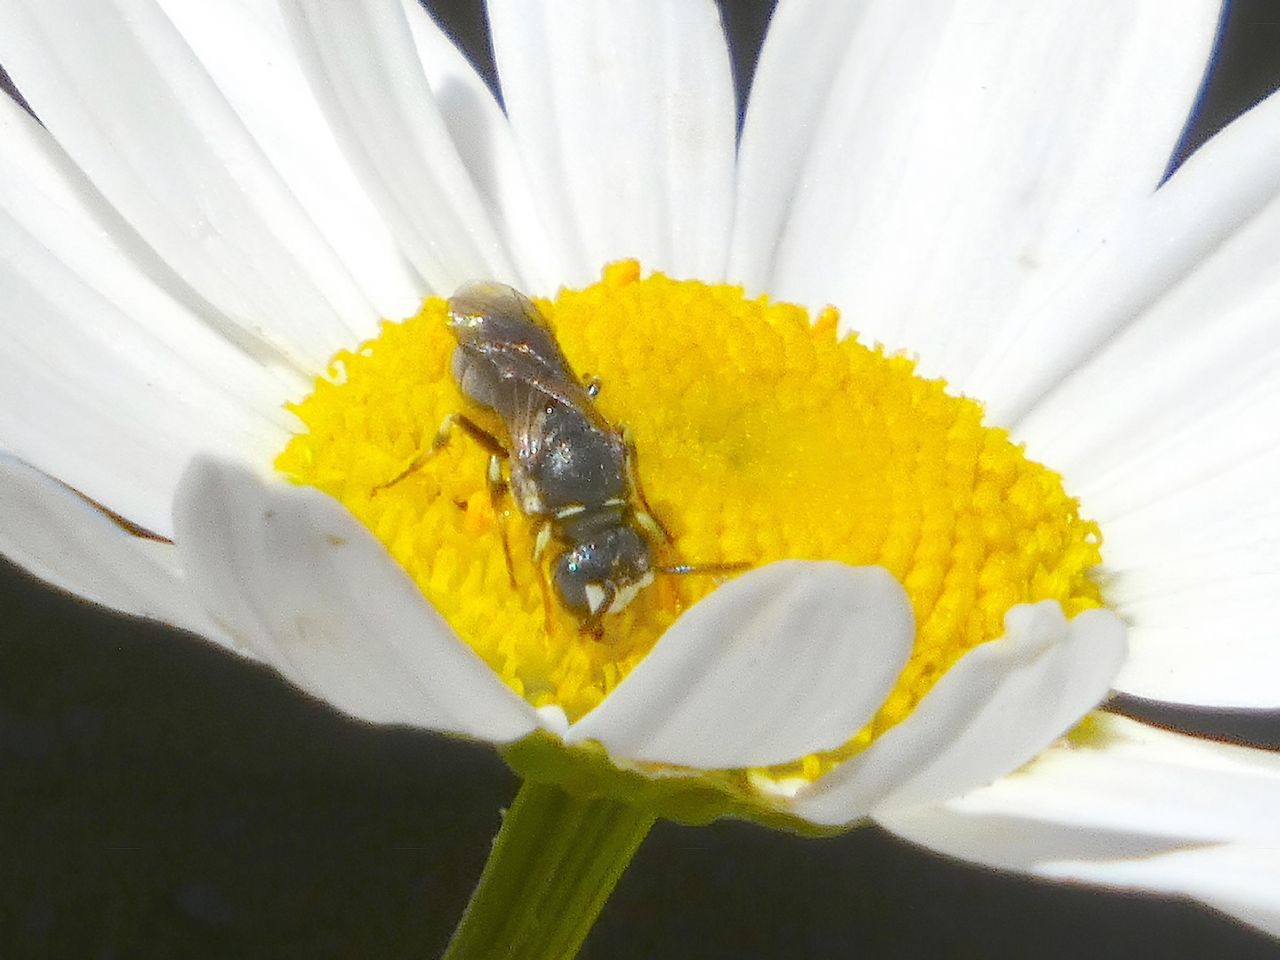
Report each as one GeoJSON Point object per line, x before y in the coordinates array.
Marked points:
{"type": "Point", "coordinates": [554, 864]}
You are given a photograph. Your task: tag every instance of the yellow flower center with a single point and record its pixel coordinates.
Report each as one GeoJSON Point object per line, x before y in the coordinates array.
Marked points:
{"type": "Point", "coordinates": [760, 436]}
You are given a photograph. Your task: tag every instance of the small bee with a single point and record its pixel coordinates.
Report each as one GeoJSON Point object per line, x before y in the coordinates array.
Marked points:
{"type": "Point", "coordinates": [571, 471]}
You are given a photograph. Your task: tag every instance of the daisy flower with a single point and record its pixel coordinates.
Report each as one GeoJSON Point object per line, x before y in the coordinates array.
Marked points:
{"type": "Point", "coordinates": [1026, 458]}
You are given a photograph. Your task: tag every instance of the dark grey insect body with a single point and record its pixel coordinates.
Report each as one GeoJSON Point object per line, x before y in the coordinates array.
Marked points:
{"type": "Point", "coordinates": [570, 469]}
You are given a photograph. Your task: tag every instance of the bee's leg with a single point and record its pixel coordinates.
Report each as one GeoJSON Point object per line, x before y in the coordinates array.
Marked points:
{"type": "Point", "coordinates": [594, 624]}
{"type": "Point", "coordinates": [480, 435]}
{"type": "Point", "coordinates": [644, 516]}
{"type": "Point", "coordinates": [540, 543]}
{"type": "Point", "coordinates": [498, 490]}
{"type": "Point", "coordinates": [542, 540]}
{"type": "Point", "coordinates": [444, 433]}
{"type": "Point", "coordinates": [494, 481]}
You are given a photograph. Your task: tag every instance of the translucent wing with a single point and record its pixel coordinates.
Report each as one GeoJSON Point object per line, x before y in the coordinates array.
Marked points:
{"type": "Point", "coordinates": [502, 331]}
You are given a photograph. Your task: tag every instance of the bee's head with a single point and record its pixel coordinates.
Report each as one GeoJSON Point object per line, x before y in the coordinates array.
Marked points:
{"type": "Point", "coordinates": [603, 574]}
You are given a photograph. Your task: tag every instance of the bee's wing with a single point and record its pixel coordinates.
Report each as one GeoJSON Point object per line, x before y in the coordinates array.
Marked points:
{"type": "Point", "coordinates": [502, 327]}
{"type": "Point", "coordinates": [543, 371]}
{"type": "Point", "coordinates": [532, 401]}
{"type": "Point", "coordinates": [524, 422]}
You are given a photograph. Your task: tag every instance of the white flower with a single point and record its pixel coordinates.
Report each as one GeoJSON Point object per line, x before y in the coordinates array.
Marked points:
{"type": "Point", "coordinates": [225, 196]}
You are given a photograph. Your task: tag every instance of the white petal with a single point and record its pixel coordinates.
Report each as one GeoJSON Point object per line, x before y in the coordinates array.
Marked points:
{"type": "Point", "coordinates": [1000, 705]}
{"type": "Point", "coordinates": [786, 660]}
{"type": "Point", "coordinates": [106, 380]}
{"type": "Point", "coordinates": [926, 165]}
{"type": "Point", "coordinates": [1201, 240]}
{"type": "Point", "coordinates": [624, 113]}
{"type": "Point", "coordinates": [121, 91]}
{"type": "Point", "coordinates": [60, 538]}
{"type": "Point", "coordinates": [1240, 880]}
{"type": "Point", "coordinates": [1197, 573]}
{"type": "Point", "coordinates": [294, 577]}
{"type": "Point", "coordinates": [46, 196]}
{"type": "Point", "coordinates": [488, 149]}
{"type": "Point", "coordinates": [1130, 806]}
{"type": "Point", "coordinates": [244, 46]}
{"type": "Point", "coordinates": [361, 57]}
{"type": "Point", "coordinates": [1166, 430]}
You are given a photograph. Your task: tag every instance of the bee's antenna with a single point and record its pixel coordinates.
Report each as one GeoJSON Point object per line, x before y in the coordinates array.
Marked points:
{"type": "Point", "coordinates": [680, 569]}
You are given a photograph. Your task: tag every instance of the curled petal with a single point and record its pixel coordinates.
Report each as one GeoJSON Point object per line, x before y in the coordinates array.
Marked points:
{"type": "Point", "coordinates": [294, 577]}
{"type": "Point", "coordinates": [784, 661]}
{"type": "Point", "coordinates": [60, 538]}
{"type": "Point", "coordinates": [1000, 705]}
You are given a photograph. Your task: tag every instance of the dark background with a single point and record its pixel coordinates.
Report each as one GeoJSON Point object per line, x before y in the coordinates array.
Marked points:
{"type": "Point", "coordinates": [161, 799]}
